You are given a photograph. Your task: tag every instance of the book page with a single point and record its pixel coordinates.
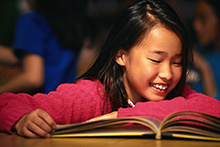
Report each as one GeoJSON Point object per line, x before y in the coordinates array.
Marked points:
{"type": "Point", "coordinates": [191, 123]}
{"type": "Point", "coordinates": [150, 123]}
{"type": "Point", "coordinates": [112, 131]}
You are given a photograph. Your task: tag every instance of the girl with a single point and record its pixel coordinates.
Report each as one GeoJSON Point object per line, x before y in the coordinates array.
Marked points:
{"type": "Point", "coordinates": [142, 65]}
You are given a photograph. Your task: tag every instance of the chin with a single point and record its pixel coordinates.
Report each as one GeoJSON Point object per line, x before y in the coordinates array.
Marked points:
{"type": "Point", "coordinates": [158, 99]}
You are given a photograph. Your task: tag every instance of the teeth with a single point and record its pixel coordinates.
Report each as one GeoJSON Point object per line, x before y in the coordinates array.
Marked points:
{"type": "Point", "coordinates": [161, 87]}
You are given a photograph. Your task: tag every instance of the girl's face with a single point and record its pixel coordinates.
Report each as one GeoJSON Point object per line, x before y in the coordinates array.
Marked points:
{"type": "Point", "coordinates": [153, 67]}
{"type": "Point", "coordinates": [206, 23]}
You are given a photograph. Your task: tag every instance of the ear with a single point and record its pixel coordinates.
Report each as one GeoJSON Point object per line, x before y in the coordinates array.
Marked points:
{"type": "Point", "coordinates": [120, 57]}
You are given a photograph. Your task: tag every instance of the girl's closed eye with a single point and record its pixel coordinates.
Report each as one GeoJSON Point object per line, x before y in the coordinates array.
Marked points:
{"type": "Point", "coordinates": [178, 63]}
{"type": "Point", "coordinates": [155, 61]}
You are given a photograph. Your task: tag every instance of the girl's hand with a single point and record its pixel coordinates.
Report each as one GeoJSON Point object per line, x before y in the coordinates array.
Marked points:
{"type": "Point", "coordinates": [35, 124]}
{"type": "Point", "coordinates": [106, 116]}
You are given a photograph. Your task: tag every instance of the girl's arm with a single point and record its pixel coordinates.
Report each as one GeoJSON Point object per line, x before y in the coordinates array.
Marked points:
{"type": "Point", "coordinates": [193, 102]}
{"type": "Point", "coordinates": [70, 103]}
{"type": "Point", "coordinates": [38, 123]}
{"type": "Point", "coordinates": [190, 101]}
{"type": "Point", "coordinates": [18, 110]}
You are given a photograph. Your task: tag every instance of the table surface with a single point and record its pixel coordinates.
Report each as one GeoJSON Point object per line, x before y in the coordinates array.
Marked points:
{"type": "Point", "coordinates": [7, 140]}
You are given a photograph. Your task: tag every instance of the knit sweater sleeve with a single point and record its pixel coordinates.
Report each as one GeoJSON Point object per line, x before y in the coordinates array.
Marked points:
{"type": "Point", "coordinates": [68, 104]}
{"type": "Point", "coordinates": [192, 102]}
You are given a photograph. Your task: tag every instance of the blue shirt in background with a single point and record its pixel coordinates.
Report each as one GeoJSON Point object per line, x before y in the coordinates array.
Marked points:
{"type": "Point", "coordinates": [34, 36]}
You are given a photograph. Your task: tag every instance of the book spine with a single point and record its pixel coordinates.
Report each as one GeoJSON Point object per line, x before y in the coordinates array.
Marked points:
{"type": "Point", "coordinates": [158, 135]}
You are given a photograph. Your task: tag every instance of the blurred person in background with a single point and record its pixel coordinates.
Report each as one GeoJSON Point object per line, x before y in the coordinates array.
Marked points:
{"type": "Point", "coordinates": [205, 75]}
{"type": "Point", "coordinates": [47, 42]}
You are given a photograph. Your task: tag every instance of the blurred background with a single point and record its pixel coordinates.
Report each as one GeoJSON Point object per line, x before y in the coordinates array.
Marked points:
{"type": "Point", "coordinates": [95, 19]}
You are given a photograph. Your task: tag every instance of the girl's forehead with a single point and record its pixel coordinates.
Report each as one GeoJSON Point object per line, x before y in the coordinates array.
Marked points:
{"type": "Point", "coordinates": [160, 39]}
{"type": "Point", "coordinates": [157, 32]}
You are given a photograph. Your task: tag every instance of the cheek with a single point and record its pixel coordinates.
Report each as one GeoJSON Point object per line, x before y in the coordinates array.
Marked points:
{"type": "Point", "coordinates": [177, 75]}
{"type": "Point", "coordinates": [143, 73]}
{"type": "Point", "coordinates": [148, 71]}
{"type": "Point", "coordinates": [143, 68]}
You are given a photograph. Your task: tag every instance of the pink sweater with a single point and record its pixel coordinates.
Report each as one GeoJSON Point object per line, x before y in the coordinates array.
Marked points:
{"type": "Point", "coordinates": [79, 102]}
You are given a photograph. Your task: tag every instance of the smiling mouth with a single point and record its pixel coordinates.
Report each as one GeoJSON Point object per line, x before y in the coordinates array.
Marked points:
{"type": "Point", "coordinates": [160, 87]}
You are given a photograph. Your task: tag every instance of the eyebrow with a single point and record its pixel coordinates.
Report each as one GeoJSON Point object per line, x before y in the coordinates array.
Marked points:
{"type": "Point", "coordinates": [162, 52]}
{"type": "Point", "coordinates": [158, 52]}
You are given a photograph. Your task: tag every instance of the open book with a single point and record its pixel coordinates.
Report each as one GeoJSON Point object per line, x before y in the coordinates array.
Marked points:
{"type": "Point", "coordinates": [183, 124]}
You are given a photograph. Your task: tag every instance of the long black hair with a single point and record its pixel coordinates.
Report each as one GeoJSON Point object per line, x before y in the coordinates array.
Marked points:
{"type": "Point", "coordinates": [129, 30]}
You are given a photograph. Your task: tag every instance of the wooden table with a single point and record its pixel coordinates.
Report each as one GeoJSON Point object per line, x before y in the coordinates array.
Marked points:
{"type": "Point", "coordinates": [7, 140]}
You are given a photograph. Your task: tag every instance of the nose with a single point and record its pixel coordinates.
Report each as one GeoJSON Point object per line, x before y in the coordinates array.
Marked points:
{"type": "Point", "coordinates": [166, 72]}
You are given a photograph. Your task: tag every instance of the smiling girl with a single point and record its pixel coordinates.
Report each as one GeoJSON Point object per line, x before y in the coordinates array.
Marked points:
{"type": "Point", "coordinates": [141, 70]}
{"type": "Point", "coordinates": [153, 67]}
